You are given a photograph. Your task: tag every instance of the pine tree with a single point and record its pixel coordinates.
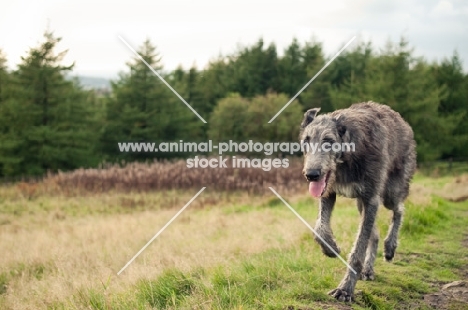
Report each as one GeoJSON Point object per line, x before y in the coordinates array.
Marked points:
{"type": "Point", "coordinates": [143, 109]}
{"type": "Point", "coordinates": [3, 77]}
{"type": "Point", "coordinates": [292, 71]}
{"type": "Point", "coordinates": [188, 85]}
{"type": "Point", "coordinates": [348, 76]}
{"type": "Point", "coordinates": [46, 118]}
{"type": "Point", "coordinates": [317, 94]}
{"type": "Point", "coordinates": [255, 70]}
{"type": "Point", "coordinates": [4, 81]}
{"type": "Point", "coordinates": [215, 83]}
{"type": "Point", "coordinates": [450, 76]}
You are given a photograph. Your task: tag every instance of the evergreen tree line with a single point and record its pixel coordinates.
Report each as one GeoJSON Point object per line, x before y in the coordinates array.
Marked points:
{"type": "Point", "coordinates": [48, 122]}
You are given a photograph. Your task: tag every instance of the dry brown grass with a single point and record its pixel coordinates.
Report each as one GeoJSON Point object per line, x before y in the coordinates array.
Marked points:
{"type": "Point", "coordinates": [166, 175]}
{"type": "Point", "coordinates": [49, 258]}
{"type": "Point", "coordinates": [451, 188]}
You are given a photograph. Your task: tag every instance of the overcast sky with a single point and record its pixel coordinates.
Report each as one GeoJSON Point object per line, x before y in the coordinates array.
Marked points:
{"type": "Point", "coordinates": [187, 32]}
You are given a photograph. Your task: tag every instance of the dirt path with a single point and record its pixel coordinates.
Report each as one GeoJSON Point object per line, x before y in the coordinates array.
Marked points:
{"type": "Point", "coordinates": [452, 295]}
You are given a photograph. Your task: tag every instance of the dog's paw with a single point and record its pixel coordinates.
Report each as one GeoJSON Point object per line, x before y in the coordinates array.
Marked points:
{"type": "Point", "coordinates": [342, 295]}
{"type": "Point", "coordinates": [368, 275]}
{"type": "Point", "coordinates": [389, 250]}
{"type": "Point", "coordinates": [328, 246]}
{"type": "Point", "coordinates": [328, 252]}
{"type": "Point", "coordinates": [389, 254]}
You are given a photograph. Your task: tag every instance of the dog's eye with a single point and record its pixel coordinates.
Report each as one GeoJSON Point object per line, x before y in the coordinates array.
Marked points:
{"type": "Point", "coordinates": [328, 140]}
{"type": "Point", "coordinates": [305, 144]}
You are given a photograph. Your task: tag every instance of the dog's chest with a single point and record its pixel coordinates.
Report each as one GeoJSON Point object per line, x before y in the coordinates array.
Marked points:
{"type": "Point", "coordinates": [349, 190]}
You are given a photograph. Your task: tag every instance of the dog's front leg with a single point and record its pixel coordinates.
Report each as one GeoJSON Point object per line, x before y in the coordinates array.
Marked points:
{"type": "Point", "coordinates": [323, 228]}
{"type": "Point", "coordinates": [345, 291]}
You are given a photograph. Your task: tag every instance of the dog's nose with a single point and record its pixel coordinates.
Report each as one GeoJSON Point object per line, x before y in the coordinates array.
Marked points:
{"type": "Point", "coordinates": [312, 174]}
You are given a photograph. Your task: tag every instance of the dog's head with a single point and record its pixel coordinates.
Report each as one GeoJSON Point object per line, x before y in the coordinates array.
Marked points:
{"type": "Point", "coordinates": [322, 138]}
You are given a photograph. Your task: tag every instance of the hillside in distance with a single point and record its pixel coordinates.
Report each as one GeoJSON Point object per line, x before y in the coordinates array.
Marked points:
{"type": "Point", "coordinates": [93, 82]}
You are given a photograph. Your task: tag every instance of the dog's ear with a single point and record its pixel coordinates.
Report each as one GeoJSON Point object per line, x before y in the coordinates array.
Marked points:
{"type": "Point", "coordinates": [309, 117]}
{"type": "Point", "coordinates": [341, 127]}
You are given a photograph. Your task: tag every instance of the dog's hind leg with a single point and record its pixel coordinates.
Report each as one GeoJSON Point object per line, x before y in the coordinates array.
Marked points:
{"type": "Point", "coordinates": [396, 191]}
{"type": "Point", "coordinates": [367, 273]}
{"type": "Point", "coordinates": [323, 228]}
{"type": "Point", "coordinates": [391, 241]}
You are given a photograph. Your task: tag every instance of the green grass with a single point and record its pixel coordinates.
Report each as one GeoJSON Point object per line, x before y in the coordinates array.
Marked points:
{"type": "Point", "coordinates": [421, 221]}
{"type": "Point", "coordinates": [430, 252]}
{"type": "Point", "coordinates": [170, 289]}
{"type": "Point", "coordinates": [3, 283]}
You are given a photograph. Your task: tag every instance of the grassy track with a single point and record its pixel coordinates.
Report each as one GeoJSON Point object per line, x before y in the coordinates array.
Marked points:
{"type": "Point", "coordinates": [225, 252]}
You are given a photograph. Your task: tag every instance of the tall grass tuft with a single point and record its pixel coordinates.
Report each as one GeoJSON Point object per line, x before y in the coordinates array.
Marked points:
{"type": "Point", "coordinates": [168, 290]}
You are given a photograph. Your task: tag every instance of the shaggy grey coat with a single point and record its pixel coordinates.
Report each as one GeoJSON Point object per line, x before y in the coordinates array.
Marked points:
{"type": "Point", "coordinates": [378, 171]}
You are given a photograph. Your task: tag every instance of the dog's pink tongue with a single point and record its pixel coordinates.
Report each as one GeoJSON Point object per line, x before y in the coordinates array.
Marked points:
{"type": "Point", "coordinates": [316, 188]}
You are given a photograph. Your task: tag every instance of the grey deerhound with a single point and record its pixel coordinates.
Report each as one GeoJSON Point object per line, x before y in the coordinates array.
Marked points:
{"type": "Point", "coordinates": [378, 171]}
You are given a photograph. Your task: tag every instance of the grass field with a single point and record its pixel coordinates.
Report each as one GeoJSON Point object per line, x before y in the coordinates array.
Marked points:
{"type": "Point", "coordinates": [226, 251]}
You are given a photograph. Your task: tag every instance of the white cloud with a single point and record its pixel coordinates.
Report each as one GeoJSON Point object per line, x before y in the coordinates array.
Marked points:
{"type": "Point", "coordinates": [443, 8]}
